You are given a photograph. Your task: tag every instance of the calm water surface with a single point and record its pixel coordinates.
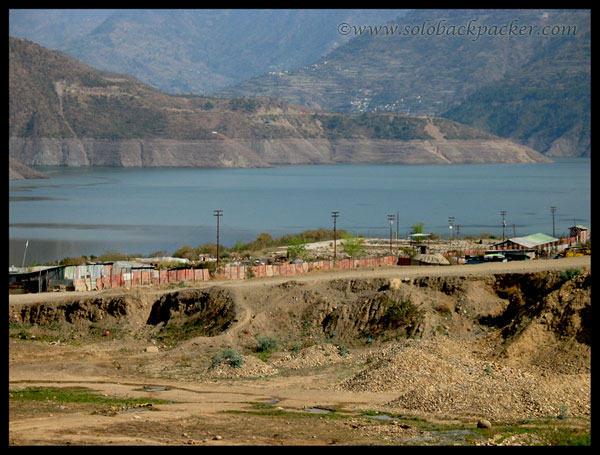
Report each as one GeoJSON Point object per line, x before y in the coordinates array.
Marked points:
{"type": "Point", "coordinates": [83, 211]}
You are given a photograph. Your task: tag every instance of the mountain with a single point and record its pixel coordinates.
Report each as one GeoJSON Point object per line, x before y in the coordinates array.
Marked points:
{"type": "Point", "coordinates": [192, 51]}
{"type": "Point", "coordinates": [52, 28]}
{"type": "Point", "coordinates": [545, 105]}
{"type": "Point", "coordinates": [64, 112]}
{"type": "Point", "coordinates": [512, 69]}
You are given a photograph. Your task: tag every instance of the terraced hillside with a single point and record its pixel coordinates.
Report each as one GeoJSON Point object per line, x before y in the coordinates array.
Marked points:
{"type": "Point", "coordinates": [63, 112]}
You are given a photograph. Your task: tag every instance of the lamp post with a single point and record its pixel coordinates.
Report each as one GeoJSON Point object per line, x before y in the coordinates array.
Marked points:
{"type": "Point", "coordinates": [553, 210]}
{"type": "Point", "coordinates": [503, 213]}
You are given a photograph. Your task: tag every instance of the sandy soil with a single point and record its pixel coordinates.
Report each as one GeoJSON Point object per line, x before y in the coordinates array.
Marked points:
{"type": "Point", "coordinates": [437, 386]}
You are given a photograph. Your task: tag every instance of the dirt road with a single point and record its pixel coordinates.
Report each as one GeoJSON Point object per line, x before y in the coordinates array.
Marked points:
{"type": "Point", "coordinates": [384, 272]}
{"type": "Point", "coordinates": [314, 389]}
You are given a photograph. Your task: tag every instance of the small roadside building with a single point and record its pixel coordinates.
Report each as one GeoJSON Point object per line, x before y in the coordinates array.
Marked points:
{"type": "Point", "coordinates": [35, 279]}
{"type": "Point", "coordinates": [417, 242]}
{"type": "Point", "coordinates": [579, 233]}
{"type": "Point", "coordinates": [530, 243]}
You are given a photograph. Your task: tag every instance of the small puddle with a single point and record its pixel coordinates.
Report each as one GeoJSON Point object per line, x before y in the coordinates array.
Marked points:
{"type": "Point", "coordinates": [154, 388]}
{"type": "Point", "coordinates": [317, 410]}
{"type": "Point", "coordinates": [126, 411]}
{"type": "Point", "coordinates": [382, 417]}
{"type": "Point", "coordinates": [443, 437]}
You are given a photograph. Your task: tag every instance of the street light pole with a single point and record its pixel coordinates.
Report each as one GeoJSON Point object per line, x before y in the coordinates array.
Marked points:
{"type": "Point", "coordinates": [503, 213]}
{"type": "Point", "coordinates": [553, 210]}
{"type": "Point", "coordinates": [218, 214]}
{"type": "Point", "coordinates": [451, 221]}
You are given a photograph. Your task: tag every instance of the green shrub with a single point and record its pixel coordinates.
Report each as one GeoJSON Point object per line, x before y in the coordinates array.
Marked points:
{"type": "Point", "coordinates": [402, 314]}
{"type": "Point", "coordinates": [569, 274]}
{"type": "Point", "coordinates": [266, 344]}
{"type": "Point", "coordinates": [343, 351]}
{"type": "Point", "coordinates": [297, 249]}
{"type": "Point", "coordinates": [353, 246]}
{"type": "Point", "coordinates": [230, 356]}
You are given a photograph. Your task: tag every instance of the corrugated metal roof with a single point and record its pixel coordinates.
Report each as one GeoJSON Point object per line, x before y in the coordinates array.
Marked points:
{"type": "Point", "coordinates": [533, 240]}
{"type": "Point", "coordinates": [580, 227]}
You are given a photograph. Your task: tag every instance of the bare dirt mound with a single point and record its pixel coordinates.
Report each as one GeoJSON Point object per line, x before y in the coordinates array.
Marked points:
{"type": "Point", "coordinates": [506, 346]}
{"type": "Point", "coordinates": [549, 323]}
{"type": "Point", "coordinates": [536, 363]}
{"type": "Point", "coordinates": [530, 318]}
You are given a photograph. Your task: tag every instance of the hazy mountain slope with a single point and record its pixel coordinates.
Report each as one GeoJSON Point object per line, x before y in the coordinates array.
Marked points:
{"type": "Point", "coordinates": [203, 50]}
{"type": "Point", "coordinates": [63, 112]}
{"type": "Point", "coordinates": [546, 105]}
{"type": "Point", "coordinates": [424, 68]}
{"type": "Point", "coordinates": [52, 28]}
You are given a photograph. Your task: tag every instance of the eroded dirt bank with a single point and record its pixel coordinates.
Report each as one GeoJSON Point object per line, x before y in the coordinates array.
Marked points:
{"type": "Point", "coordinates": [506, 344]}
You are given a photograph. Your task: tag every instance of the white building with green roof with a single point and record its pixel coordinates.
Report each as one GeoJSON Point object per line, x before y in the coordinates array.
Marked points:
{"type": "Point", "coordinates": [531, 242]}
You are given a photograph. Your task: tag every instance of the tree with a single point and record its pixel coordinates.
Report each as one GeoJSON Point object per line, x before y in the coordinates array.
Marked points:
{"type": "Point", "coordinates": [239, 247]}
{"type": "Point", "coordinates": [207, 248]}
{"type": "Point", "coordinates": [297, 249]}
{"type": "Point", "coordinates": [417, 228]}
{"type": "Point", "coordinates": [353, 246]}
{"type": "Point", "coordinates": [186, 252]}
{"type": "Point", "coordinates": [159, 254]}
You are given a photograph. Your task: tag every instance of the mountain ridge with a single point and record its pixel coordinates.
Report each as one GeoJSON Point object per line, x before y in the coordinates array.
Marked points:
{"type": "Point", "coordinates": [64, 112]}
{"type": "Point", "coordinates": [196, 51]}
{"type": "Point", "coordinates": [434, 74]}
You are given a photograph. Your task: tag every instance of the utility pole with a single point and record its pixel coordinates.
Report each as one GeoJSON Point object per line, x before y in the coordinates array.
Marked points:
{"type": "Point", "coordinates": [218, 214]}
{"type": "Point", "coordinates": [503, 213]}
{"type": "Point", "coordinates": [25, 253]}
{"type": "Point", "coordinates": [397, 224]}
{"type": "Point", "coordinates": [391, 221]}
{"type": "Point", "coordinates": [334, 215]}
{"type": "Point", "coordinates": [553, 210]}
{"type": "Point", "coordinates": [457, 236]}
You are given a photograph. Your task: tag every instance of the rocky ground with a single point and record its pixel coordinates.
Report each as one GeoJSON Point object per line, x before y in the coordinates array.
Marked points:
{"type": "Point", "coordinates": [486, 354]}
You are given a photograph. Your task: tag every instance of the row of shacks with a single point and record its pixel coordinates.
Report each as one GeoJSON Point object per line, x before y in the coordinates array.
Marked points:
{"type": "Point", "coordinates": [87, 276]}
{"type": "Point", "coordinates": [77, 277]}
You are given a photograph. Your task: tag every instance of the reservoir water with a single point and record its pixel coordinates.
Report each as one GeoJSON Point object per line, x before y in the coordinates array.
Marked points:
{"type": "Point", "coordinates": [94, 210]}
